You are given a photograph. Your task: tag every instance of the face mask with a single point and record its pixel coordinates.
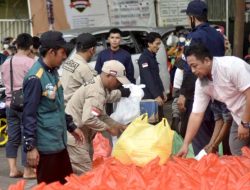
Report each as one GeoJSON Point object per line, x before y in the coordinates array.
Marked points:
{"type": "Point", "coordinates": [182, 39]}
{"type": "Point", "coordinates": [5, 46]}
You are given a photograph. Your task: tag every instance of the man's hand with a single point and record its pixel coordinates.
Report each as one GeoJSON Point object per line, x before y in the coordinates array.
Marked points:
{"type": "Point", "coordinates": [33, 158]}
{"type": "Point", "coordinates": [181, 103]}
{"type": "Point", "coordinates": [114, 131]}
{"type": "Point", "coordinates": [159, 101]}
{"type": "Point", "coordinates": [210, 149]}
{"type": "Point", "coordinates": [78, 135]}
{"type": "Point", "coordinates": [183, 151]}
{"type": "Point", "coordinates": [243, 133]}
{"type": "Point", "coordinates": [122, 127]}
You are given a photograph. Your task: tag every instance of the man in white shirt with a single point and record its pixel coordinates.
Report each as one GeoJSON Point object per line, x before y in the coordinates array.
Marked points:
{"type": "Point", "coordinates": [226, 79]}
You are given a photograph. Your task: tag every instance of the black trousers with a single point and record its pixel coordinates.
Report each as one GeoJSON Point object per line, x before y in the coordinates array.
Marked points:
{"type": "Point", "coordinates": [205, 131]}
{"type": "Point", "coordinates": [109, 108]}
{"type": "Point", "coordinates": [160, 113]}
{"type": "Point", "coordinates": [54, 167]}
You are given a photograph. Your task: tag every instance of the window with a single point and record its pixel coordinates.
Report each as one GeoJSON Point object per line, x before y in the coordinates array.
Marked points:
{"type": "Point", "coordinates": [99, 47]}
{"type": "Point", "coordinates": [127, 43]}
{"type": "Point", "coordinates": [140, 37]}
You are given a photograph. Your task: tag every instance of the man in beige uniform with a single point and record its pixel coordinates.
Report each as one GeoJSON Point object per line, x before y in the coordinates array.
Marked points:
{"type": "Point", "coordinates": [76, 70]}
{"type": "Point", "coordinates": [87, 107]}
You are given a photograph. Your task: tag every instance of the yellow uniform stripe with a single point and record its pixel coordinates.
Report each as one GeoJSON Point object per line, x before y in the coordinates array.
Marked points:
{"type": "Point", "coordinates": [39, 73]}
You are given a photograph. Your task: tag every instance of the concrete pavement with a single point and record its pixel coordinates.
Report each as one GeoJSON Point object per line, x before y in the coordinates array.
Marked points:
{"type": "Point", "coordinates": [5, 181]}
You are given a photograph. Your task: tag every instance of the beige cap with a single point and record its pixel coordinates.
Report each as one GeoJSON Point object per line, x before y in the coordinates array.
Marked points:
{"type": "Point", "coordinates": [117, 69]}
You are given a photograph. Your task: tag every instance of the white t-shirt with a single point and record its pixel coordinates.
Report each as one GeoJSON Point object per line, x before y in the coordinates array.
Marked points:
{"type": "Point", "coordinates": [231, 77]}
{"type": "Point", "coordinates": [178, 78]}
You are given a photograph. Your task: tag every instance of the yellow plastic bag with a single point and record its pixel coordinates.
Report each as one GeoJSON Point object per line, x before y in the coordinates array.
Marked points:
{"type": "Point", "coordinates": [142, 142]}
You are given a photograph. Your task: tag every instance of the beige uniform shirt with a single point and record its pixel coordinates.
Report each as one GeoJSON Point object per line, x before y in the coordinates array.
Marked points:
{"type": "Point", "coordinates": [75, 73]}
{"type": "Point", "coordinates": [87, 107]}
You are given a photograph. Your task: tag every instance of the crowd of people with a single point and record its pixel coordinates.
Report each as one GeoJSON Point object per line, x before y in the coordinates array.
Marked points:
{"type": "Point", "coordinates": [211, 98]}
{"type": "Point", "coordinates": [60, 116]}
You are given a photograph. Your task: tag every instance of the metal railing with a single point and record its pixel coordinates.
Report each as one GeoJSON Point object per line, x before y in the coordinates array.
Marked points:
{"type": "Point", "coordinates": [13, 27]}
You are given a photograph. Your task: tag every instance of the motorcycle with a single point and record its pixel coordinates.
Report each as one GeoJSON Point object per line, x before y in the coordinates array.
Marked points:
{"type": "Point", "coordinates": [3, 120]}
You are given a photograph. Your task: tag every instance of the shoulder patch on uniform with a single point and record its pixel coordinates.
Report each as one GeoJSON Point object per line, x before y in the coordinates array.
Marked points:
{"type": "Point", "coordinates": [188, 42]}
{"type": "Point", "coordinates": [95, 111]}
{"type": "Point", "coordinates": [144, 65]}
{"type": "Point", "coordinates": [39, 73]}
{"type": "Point", "coordinates": [91, 81]}
{"type": "Point", "coordinates": [70, 65]}
{"type": "Point", "coordinates": [32, 77]}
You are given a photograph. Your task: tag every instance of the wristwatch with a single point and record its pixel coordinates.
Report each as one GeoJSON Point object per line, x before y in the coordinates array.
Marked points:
{"type": "Point", "coordinates": [29, 144]}
{"type": "Point", "coordinates": [245, 124]}
{"type": "Point", "coordinates": [29, 147]}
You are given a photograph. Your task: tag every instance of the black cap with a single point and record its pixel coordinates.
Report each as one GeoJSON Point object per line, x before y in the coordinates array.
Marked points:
{"type": "Point", "coordinates": [196, 8]}
{"type": "Point", "coordinates": [86, 40]}
{"type": "Point", "coordinates": [52, 39]}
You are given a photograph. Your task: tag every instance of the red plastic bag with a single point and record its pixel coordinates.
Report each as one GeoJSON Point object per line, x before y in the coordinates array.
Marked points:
{"type": "Point", "coordinates": [209, 173]}
{"type": "Point", "coordinates": [19, 186]}
{"type": "Point", "coordinates": [40, 186]}
{"type": "Point", "coordinates": [102, 147]}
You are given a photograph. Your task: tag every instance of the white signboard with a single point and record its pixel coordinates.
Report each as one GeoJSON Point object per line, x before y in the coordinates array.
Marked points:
{"type": "Point", "coordinates": [132, 13]}
{"type": "Point", "coordinates": [170, 12]}
{"type": "Point", "coordinates": [86, 13]}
